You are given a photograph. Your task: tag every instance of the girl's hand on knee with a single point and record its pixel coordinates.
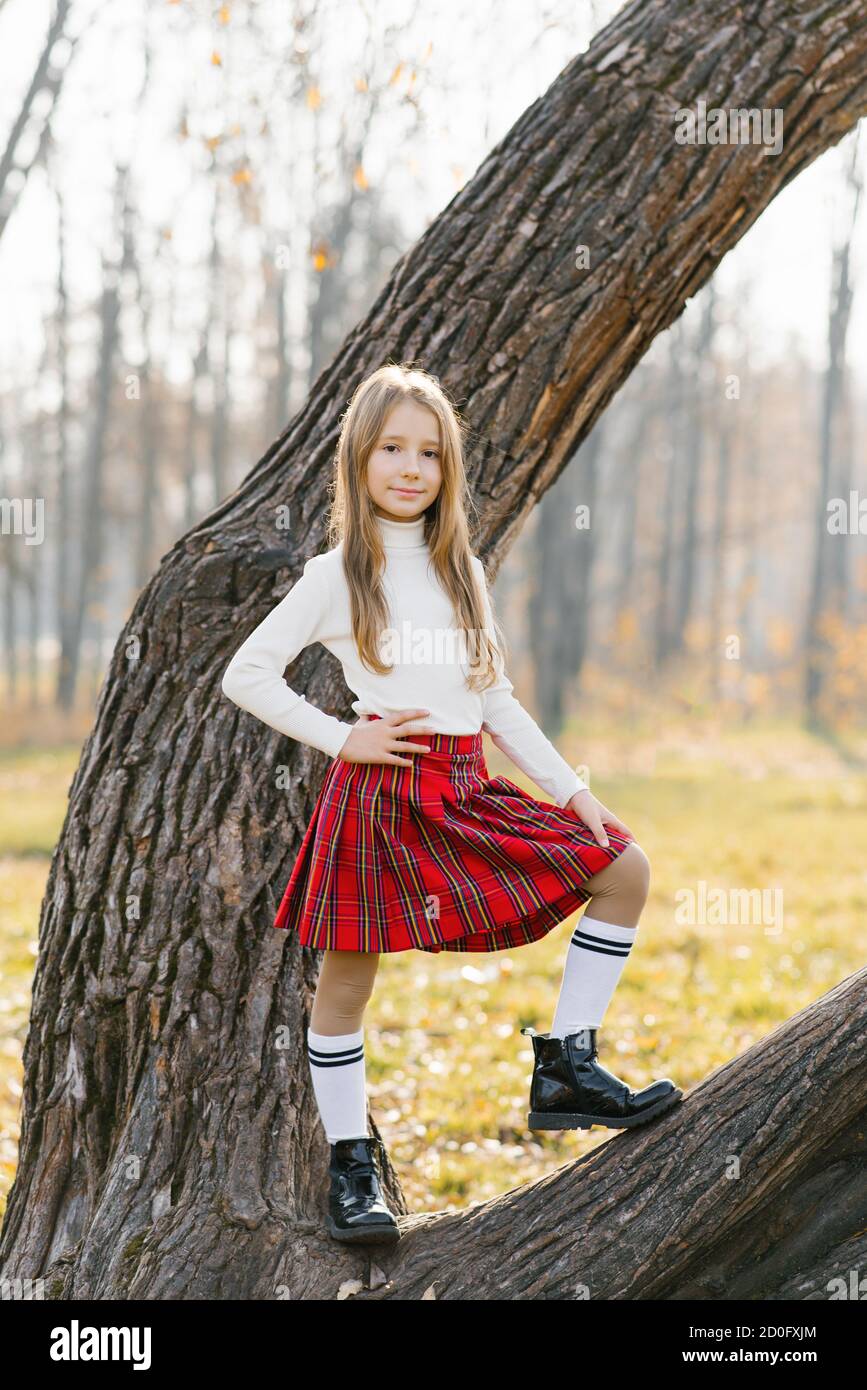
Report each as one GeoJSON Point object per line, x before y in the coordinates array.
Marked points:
{"type": "Point", "coordinates": [595, 816]}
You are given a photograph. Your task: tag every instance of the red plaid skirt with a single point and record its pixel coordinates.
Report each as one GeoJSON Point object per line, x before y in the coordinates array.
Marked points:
{"type": "Point", "coordinates": [436, 856]}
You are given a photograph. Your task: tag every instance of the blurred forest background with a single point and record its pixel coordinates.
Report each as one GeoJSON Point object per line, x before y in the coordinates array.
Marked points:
{"type": "Point", "coordinates": [197, 204]}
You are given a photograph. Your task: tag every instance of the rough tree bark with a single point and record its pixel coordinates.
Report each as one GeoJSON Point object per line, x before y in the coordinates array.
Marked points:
{"type": "Point", "coordinates": [170, 1144]}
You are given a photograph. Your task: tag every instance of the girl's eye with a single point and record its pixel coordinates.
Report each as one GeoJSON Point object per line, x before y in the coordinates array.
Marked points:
{"type": "Point", "coordinates": [432, 452]}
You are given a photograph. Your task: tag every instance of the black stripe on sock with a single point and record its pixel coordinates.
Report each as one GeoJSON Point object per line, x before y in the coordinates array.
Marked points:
{"type": "Point", "coordinates": [603, 944]}
{"type": "Point", "coordinates": [335, 1059]}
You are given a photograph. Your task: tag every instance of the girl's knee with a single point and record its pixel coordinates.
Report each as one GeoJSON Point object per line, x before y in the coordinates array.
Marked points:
{"type": "Point", "coordinates": [340, 1003]}
{"type": "Point", "coordinates": [636, 867]}
{"type": "Point", "coordinates": [626, 879]}
{"type": "Point", "coordinates": [349, 992]}
{"type": "Point", "coordinates": [346, 982]}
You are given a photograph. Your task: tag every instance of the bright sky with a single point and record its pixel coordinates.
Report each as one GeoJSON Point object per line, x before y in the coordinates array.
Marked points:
{"type": "Point", "coordinates": [486, 63]}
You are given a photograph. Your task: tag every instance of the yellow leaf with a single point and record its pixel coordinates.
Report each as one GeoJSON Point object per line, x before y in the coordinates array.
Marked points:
{"type": "Point", "coordinates": [241, 176]}
{"type": "Point", "coordinates": [322, 257]}
{"type": "Point", "coordinates": [216, 60]}
{"type": "Point", "coordinates": [626, 627]}
{"type": "Point", "coordinates": [314, 98]}
{"type": "Point", "coordinates": [223, 14]}
{"type": "Point", "coordinates": [361, 84]}
{"type": "Point", "coordinates": [360, 178]}
{"type": "Point", "coordinates": [395, 76]}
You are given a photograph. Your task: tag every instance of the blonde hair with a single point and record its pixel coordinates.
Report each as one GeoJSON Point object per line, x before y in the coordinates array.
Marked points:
{"type": "Point", "coordinates": [353, 520]}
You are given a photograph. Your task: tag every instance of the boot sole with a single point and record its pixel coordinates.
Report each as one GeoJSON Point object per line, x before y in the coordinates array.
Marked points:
{"type": "Point", "coordinates": [368, 1235]}
{"type": "Point", "coordinates": [538, 1119]}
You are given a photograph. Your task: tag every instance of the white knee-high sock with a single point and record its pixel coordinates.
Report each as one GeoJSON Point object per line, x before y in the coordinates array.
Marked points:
{"type": "Point", "coordinates": [337, 1069]}
{"type": "Point", "coordinates": [594, 963]}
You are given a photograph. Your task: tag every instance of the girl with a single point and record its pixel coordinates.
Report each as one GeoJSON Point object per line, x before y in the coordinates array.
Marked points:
{"type": "Point", "coordinates": [411, 844]}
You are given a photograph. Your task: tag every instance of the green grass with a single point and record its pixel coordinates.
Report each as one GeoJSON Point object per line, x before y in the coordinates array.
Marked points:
{"type": "Point", "coordinates": [33, 792]}
{"type": "Point", "coordinates": [33, 795]}
{"type": "Point", "coordinates": [764, 806]}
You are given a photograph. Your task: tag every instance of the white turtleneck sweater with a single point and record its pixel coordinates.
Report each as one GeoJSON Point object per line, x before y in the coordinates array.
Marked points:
{"type": "Point", "coordinates": [427, 673]}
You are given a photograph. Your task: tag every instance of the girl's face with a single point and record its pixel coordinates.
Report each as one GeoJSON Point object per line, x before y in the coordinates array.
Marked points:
{"type": "Point", "coordinates": [404, 473]}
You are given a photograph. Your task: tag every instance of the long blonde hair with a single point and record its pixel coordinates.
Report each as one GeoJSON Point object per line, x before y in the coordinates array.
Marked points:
{"type": "Point", "coordinates": [354, 522]}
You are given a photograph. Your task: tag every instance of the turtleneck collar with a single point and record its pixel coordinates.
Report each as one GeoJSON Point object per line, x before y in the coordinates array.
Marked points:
{"type": "Point", "coordinates": [402, 535]}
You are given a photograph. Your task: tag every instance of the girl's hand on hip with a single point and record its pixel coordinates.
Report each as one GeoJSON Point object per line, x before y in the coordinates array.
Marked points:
{"type": "Point", "coordinates": [382, 740]}
{"type": "Point", "coordinates": [595, 816]}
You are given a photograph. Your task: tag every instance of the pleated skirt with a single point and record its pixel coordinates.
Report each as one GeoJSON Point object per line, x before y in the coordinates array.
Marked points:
{"type": "Point", "coordinates": [438, 856]}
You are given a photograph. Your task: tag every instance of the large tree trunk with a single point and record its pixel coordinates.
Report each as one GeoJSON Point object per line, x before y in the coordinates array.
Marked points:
{"type": "Point", "coordinates": [170, 1143]}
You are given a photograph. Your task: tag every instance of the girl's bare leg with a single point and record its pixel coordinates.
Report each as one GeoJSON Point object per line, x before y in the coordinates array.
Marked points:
{"type": "Point", "coordinates": [601, 942]}
{"type": "Point", "coordinates": [345, 985]}
{"type": "Point", "coordinates": [335, 1042]}
{"type": "Point", "coordinates": [620, 889]}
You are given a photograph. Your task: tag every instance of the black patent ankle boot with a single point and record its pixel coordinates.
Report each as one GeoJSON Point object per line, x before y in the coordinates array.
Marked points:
{"type": "Point", "coordinates": [571, 1089]}
{"type": "Point", "coordinates": [357, 1212]}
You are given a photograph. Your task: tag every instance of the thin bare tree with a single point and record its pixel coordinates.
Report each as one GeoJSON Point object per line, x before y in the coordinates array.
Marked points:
{"type": "Point", "coordinates": [91, 529]}
{"type": "Point", "coordinates": [28, 138]}
{"type": "Point", "coordinates": [828, 589]}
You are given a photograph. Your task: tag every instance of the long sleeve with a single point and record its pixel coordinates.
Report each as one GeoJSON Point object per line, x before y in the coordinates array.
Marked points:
{"type": "Point", "coordinates": [517, 734]}
{"type": "Point", "coordinates": [254, 677]}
